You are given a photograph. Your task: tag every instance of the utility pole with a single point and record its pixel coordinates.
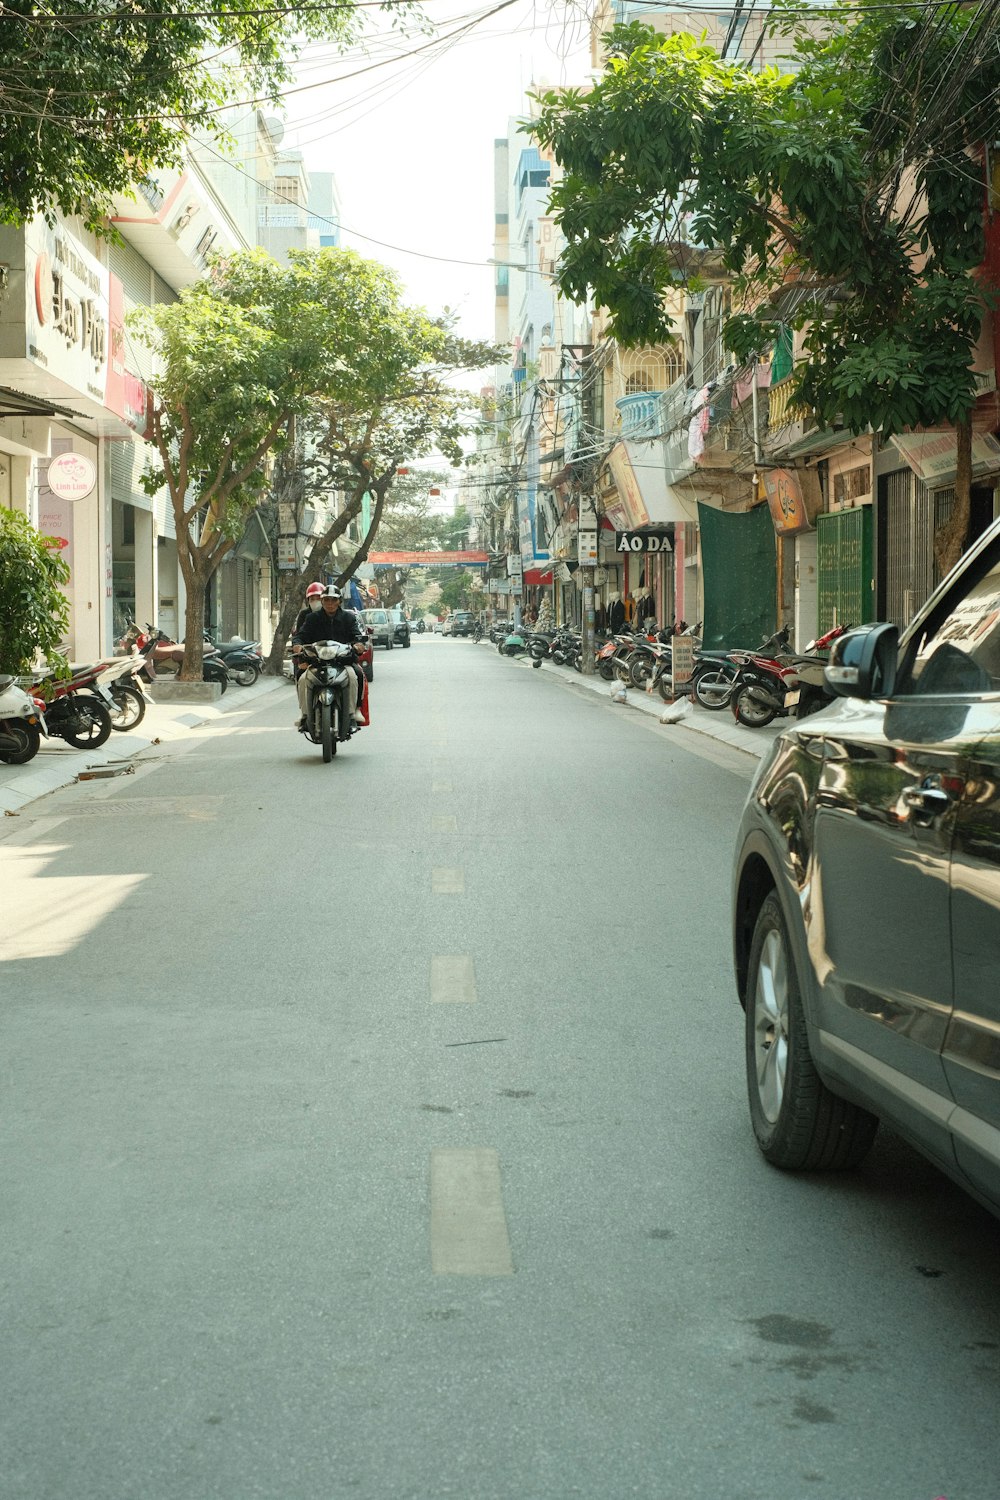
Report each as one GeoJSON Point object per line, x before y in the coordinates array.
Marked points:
{"type": "Point", "coordinates": [587, 559]}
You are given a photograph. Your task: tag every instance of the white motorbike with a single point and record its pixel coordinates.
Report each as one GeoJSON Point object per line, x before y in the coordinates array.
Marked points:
{"type": "Point", "coordinates": [327, 719]}
{"type": "Point", "coordinates": [21, 724]}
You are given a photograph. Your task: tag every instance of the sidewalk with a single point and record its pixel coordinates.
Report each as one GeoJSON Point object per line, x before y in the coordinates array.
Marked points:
{"type": "Point", "coordinates": [683, 714]}
{"type": "Point", "coordinates": [58, 764]}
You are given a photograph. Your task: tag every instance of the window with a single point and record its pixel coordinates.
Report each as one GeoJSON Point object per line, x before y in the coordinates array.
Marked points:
{"type": "Point", "coordinates": [963, 655]}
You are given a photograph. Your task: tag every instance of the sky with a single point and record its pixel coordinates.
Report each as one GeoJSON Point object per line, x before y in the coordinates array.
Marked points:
{"type": "Point", "coordinates": [411, 140]}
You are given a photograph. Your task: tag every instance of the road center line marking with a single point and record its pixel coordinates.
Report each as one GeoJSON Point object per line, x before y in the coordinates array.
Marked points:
{"type": "Point", "coordinates": [448, 880]}
{"type": "Point", "coordinates": [441, 786]}
{"type": "Point", "coordinates": [468, 1224]}
{"type": "Point", "coordinates": [444, 823]}
{"type": "Point", "coordinates": [453, 979]}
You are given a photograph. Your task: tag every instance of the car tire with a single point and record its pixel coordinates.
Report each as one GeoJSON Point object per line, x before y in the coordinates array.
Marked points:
{"type": "Point", "coordinates": [799, 1124]}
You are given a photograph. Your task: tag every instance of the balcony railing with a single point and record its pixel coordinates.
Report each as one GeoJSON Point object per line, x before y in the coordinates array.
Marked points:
{"type": "Point", "coordinates": [640, 413]}
{"type": "Point", "coordinates": [781, 409]}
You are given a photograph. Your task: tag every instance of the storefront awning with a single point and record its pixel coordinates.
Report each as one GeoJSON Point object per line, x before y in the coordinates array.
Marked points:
{"type": "Point", "coordinates": [537, 577]}
{"type": "Point", "coordinates": [933, 455]}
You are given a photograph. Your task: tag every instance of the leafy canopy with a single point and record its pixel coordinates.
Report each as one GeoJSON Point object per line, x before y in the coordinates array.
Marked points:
{"type": "Point", "coordinates": [34, 611]}
{"type": "Point", "coordinates": [97, 94]}
{"type": "Point", "coordinates": [844, 198]}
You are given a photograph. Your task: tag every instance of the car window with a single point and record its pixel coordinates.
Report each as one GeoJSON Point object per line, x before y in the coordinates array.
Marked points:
{"type": "Point", "coordinates": [963, 655]}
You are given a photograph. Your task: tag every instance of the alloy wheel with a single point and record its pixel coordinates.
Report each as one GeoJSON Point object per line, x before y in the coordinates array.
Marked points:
{"type": "Point", "coordinates": [771, 1025]}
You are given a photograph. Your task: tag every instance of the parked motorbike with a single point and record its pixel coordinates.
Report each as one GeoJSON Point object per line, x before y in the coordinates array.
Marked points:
{"type": "Point", "coordinates": [164, 656]}
{"type": "Point", "coordinates": [242, 659]}
{"type": "Point", "coordinates": [20, 723]}
{"type": "Point", "coordinates": [70, 711]}
{"type": "Point", "coordinates": [118, 684]}
{"type": "Point", "coordinates": [328, 722]}
{"type": "Point", "coordinates": [773, 682]}
{"type": "Point", "coordinates": [514, 643]}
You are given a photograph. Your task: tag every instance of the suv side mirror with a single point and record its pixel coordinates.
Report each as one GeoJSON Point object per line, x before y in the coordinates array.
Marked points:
{"type": "Point", "coordinates": [863, 663]}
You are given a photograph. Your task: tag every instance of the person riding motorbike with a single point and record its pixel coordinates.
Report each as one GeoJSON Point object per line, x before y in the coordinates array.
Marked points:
{"type": "Point", "coordinates": [331, 622]}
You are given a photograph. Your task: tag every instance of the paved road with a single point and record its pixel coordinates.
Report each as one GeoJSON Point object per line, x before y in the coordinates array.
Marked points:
{"type": "Point", "coordinates": [378, 1130]}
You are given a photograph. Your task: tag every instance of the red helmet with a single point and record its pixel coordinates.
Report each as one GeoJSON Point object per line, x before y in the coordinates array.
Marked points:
{"type": "Point", "coordinates": [314, 591]}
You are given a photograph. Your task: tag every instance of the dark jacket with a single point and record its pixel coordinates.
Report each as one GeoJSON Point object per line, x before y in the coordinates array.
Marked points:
{"type": "Point", "coordinates": [303, 616]}
{"type": "Point", "coordinates": [343, 626]}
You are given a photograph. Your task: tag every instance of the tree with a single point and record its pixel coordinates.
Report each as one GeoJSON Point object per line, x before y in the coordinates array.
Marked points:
{"type": "Point", "coordinates": [455, 585]}
{"type": "Point", "coordinates": [34, 611]}
{"type": "Point", "coordinates": [845, 199]}
{"type": "Point", "coordinates": [95, 96]}
{"type": "Point", "coordinates": [402, 406]}
{"type": "Point", "coordinates": [240, 355]}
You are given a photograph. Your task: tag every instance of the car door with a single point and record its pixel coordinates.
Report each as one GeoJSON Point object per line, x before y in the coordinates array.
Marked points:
{"type": "Point", "coordinates": [894, 793]}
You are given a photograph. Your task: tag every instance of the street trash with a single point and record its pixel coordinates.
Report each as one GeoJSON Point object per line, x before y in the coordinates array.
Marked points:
{"type": "Point", "coordinates": [674, 712]}
{"type": "Point", "coordinates": [619, 693]}
{"type": "Point", "coordinates": [112, 768]}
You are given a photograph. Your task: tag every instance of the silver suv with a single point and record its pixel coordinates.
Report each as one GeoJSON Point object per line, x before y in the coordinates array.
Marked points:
{"type": "Point", "coordinates": [380, 625]}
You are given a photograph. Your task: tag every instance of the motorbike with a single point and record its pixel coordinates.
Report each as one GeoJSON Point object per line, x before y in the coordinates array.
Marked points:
{"type": "Point", "coordinates": [70, 711]}
{"type": "Point", "coordinates": [242, 659]}
{"type": "Point", "coordinates": [162, 655]}
{"type": "Point", "coordinates": [514, 643]}
{"type": "Point", "coordinates": [328, 722]}
{"type": "Point", "coordinates": [477, 631]}
{"type": "Point", "coordinates": [117, 683]}
{"type": "Point", "coordinates": [20, 723]}
{"type": "Point", "coordinates": [773, 682]}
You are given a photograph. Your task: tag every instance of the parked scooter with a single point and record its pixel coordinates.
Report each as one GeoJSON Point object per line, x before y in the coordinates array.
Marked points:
{"type": "Point", "coordinates": [773, 682]}
{"type": "Point", "coordinates": [70, 711]}
{"type": "Point", "coordinates": [514, 642]}
{"type": "Point", "coordinates": [162, 655]}
{"type": "Point", "coordinates": [243, 660]}
{"type": "Point", "coordinates": [20, 723]}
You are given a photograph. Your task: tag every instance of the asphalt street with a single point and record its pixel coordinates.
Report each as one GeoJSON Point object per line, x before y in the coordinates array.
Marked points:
{"type": "Point", "coordinates": [378, 1130]}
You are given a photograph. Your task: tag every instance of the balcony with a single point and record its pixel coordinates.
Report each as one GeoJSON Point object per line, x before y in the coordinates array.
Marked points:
{"type": "Point", "coordinates": [640, 414]}
{"type": "Point", "coordinates": [782, 411]}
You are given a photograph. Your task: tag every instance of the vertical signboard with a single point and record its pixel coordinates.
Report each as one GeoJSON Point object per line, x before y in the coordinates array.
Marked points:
{"type": "Point", "coordinates": [681, 662]}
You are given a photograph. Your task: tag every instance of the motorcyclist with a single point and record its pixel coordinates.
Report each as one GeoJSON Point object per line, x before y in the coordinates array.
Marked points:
{"type": "Point", "coordinates": [312, 606]}
{"type": "Point", "coordinates": [331, 622]}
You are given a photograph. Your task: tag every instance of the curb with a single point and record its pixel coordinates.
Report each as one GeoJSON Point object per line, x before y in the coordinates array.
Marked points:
{"type": "Point", "coordinates": [57, 765]}
{"type": "Point", "coordinates": [752, 742]}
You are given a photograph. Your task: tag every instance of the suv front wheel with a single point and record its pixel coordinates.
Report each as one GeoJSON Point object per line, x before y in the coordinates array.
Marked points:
{"type": "Point", "coordinates": [799, 1124]}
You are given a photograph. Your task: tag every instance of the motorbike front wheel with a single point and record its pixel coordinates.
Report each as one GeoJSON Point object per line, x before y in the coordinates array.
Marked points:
{"type": "Point", "coordinates": [713, 690]}
{"type": "Point", "coordinates": [326, 738]}
{"type": "Point", "coordinates": [640, 669]}
{"type": "Point", "coordinates": [622, 670]}
{"type": "Point", "coordinates": [129, 710]}
{"type": "Point", "coordinates": [22, 741]}
{"type": "Point", "coordinates": [753, 715]}
{"type": "Point", "coordinates": [246, 676]}
{"type": "Point", "coordinates": [91, 725]}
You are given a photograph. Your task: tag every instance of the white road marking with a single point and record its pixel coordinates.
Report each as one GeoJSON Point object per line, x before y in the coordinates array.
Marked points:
{"type": "Point", "coordinates": [468, 1224]}
{"type": "Point", "coordinates": [441, 786]}
{"type": "Point", "coordinates": [448, 881]}
{"type": "Point", "coordinates": [453, 979]}
{"type": "Point", "coordinates": [444, 823]}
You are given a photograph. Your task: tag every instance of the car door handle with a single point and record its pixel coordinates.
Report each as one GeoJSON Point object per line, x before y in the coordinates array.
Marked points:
{"type": "Point", "coordinates": [927, 799]}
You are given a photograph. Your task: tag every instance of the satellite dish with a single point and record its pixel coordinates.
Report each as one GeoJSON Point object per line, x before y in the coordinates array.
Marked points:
{"type": "Point", "coordinates": [275, 128]}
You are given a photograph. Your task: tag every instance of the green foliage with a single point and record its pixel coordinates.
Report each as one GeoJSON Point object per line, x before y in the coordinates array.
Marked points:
{"type": "Point", "coordinates": [96, 96]}
{"type": "Point", "coordinates": [845, 198]}
{"type": "Point", "coordinates": [455, 588]}
{"type": "Point", "coordinates": [34, 612]}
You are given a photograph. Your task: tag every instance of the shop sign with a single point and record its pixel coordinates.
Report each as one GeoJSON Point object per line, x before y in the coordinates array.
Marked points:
{"type": "Point", "coordinates": [642, 541]}
{"type": "Point", "coordinates": [71, 476]}
{"type": "Point", "coordinates": [288, 554]}
{"type": "Point", "coordinates": [587, 547]}
{"type": "Point", "coordinates": [561, 572]}
{"type": "Point", "coordinates": [784, 499]}
{"type": "Point", "coordinates": [514, 568]}
{"type": "Point", "coordinates": [682, 661]}
{"type": "Point", "coordinates": [68, 311]}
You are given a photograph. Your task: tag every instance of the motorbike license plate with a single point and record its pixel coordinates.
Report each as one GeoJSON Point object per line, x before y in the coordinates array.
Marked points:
{"type": "Point", "coordinates": [792, 698]}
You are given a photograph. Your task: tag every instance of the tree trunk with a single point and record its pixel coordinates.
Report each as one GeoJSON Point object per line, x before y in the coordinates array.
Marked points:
{"type": "Point", "coordinates": [952, 537]}
{"type": "Point", "coordinates": [196, 582]}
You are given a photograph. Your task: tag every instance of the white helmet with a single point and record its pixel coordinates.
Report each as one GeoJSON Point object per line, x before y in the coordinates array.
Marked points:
{"type": "Point", "coordinates": [332, 592]}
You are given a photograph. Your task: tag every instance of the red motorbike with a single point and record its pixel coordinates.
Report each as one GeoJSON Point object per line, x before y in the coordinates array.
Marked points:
{"type": "Point", "coordinates": [774, 682]}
